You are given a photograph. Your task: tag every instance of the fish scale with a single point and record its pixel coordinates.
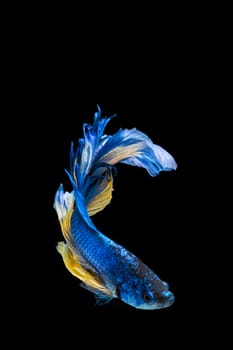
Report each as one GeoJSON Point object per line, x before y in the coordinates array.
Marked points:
{"type": "Point", "coordinates": [96, 249]}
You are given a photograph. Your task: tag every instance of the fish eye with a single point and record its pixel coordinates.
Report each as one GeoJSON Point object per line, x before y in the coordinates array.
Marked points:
{"type": "Point", "coordinates": [148, 297]}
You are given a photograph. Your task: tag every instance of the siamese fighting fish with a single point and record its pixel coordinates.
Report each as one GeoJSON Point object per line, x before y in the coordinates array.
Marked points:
{"type": "Point", "coordinates": [103, 266]}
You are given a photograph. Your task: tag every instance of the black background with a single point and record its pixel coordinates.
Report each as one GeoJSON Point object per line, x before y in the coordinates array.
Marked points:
{"type": "Point", "coordinates": [153, 75]}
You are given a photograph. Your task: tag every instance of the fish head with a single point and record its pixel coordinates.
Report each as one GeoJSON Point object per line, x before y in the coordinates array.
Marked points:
{"type": "Point", "coordinates": [156, 297]}
{"type": "Point", "coordinates": [146, 292]}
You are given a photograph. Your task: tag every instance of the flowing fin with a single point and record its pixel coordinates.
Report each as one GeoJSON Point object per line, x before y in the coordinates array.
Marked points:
{"type": "Point", "coordinates": [64, 205]}
{"type": "Point", "coordinates": [80, 204]}
{"type": "Point", "coordinates": [133, 147]}
{"type": "Point", "coordinates": [76, 265]}
{"type": "Point", "coordinates": [129, 146]}
{"type": "Point", "coordinates": [100, 195]}
{"type": "Point", "coordinates": [100, 297]}
{"type": "Point", "coordinates": [92, 163]}
{"type": "Point", "coordinates": [81, 161]}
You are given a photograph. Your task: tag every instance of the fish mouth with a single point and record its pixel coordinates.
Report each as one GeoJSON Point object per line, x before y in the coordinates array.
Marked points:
{"type": "Point", "coordinates": [168, 299]}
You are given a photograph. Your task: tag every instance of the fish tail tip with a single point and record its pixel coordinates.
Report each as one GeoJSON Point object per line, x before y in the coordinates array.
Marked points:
{"type": "Point", "coordinates": [60, 247]}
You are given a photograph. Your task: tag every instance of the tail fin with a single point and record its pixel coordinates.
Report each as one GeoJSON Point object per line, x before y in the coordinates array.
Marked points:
{"type": "Point", "coordinates": [91, 165]}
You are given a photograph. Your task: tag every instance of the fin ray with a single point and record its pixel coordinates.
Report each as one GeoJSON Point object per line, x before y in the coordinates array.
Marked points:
{"type": "Point", "coordinates": [101, 196]}
{"type": "Point", "coordinates": [64, 205]}
{"type": "Point", "coordinates": [74, 265]}
{"type": "Point", "coordinates": [133, 147]}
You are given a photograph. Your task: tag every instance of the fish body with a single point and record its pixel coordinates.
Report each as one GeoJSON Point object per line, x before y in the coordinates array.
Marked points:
{"type": "Point", "coordinates": [106, 268]}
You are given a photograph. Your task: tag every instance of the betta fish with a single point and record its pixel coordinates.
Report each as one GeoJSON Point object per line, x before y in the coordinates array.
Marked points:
{"type": "Point", "coordinates": [103, 266]}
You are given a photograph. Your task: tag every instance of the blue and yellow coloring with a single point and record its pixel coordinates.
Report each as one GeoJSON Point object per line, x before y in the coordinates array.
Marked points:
{"type": "Point", "coordinates": [104, 267]}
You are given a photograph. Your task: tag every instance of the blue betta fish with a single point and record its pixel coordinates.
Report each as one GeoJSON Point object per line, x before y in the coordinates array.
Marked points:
{"type": "Point", "coordinates": [106, 268]}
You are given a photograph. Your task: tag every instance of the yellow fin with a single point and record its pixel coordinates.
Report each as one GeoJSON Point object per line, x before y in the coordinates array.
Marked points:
{"type": "Point", "coordinates": [103, 196]}
{"type": "Point", "coordinates": [64, 205]}
{"type": "Point", "coordinates": [73, 264]}
{"type": "Point", "coordinates": [119, 153]}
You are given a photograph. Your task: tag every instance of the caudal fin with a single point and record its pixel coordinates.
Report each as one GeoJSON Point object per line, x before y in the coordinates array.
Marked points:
{"type": "Point", "coordinates": [92, 164]}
